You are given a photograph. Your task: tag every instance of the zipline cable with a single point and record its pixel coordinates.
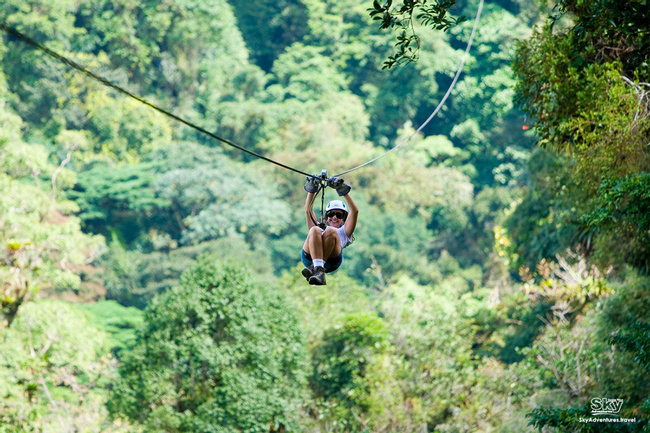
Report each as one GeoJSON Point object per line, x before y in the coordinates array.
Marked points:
{"type": "Point", "coordinates": [426, 122]}
{"type": "Point", "coordinates": [104, 81]}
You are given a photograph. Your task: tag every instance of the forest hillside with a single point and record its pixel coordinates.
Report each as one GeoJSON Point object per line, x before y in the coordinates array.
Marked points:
{"type": "Point", "coordinates": [151, 274]}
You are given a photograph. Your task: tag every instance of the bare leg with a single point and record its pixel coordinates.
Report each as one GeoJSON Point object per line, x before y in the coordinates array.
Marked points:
{"type": "Point", "coordinates": [315, 243]}
{"type": "Point", "coordinates": [331, 243]}
{"type": "Point", "coordinates": [322, 245]}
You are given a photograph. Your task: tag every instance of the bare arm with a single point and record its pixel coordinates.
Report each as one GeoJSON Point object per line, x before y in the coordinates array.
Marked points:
{"type": "Point", "coordinates": [309, 212]}
{"type": "Point", "coordinates": [353, 212]}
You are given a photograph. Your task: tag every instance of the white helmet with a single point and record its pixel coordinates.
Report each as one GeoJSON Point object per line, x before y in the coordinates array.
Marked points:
{"type": "Point", "coordinates": [337, 204]}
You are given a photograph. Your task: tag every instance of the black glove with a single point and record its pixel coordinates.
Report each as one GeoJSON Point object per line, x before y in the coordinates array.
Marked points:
{"type": "Point", "coordinates": [312, 184]}
{"type": "Point", "coordinates": [339, 185]}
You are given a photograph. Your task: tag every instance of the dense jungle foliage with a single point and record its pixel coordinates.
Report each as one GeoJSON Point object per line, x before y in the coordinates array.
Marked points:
{"type": "Point", "coordinates": [499, 281]}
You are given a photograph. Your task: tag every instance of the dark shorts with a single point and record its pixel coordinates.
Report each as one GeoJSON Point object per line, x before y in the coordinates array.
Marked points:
{"type": "Point", "coordinates": [331, 264]}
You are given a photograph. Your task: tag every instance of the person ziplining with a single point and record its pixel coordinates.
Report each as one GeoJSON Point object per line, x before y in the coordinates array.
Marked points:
{"type": "Point", "coordinates": [322, 251]}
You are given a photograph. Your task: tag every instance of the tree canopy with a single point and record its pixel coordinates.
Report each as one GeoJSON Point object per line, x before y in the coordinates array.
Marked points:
{"type": "Point", "coordinates": [220, 352]}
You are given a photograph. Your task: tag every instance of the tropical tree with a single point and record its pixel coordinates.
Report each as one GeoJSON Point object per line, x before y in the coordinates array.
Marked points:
{"type": "Point", "coordinates": [347, 373]}
{"type": "Point", "coordinates": [220, 352]}
{"type": "Point", "coordinates": [54, 367]}
{"type": "Point", "coordinates": [42, 244]}
{"type": "Point", "coordinates": [594, 110]}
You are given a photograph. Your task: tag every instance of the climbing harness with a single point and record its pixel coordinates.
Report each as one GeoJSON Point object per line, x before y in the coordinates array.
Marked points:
{"type": "Point", "coordinates": [323, 177]}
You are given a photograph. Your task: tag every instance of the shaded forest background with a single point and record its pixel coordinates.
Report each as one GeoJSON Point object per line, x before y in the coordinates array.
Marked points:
{"type": "Point", "coordinates": [151, 278]}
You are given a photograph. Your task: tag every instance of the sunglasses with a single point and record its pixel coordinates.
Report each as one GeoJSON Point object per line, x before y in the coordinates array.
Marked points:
{"type": "Point", "coordinates": [339, 215]}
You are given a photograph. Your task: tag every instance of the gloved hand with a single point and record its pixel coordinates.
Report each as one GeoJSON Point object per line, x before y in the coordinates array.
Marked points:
{"type": "Point", "coordinates": [312, 184]}
{"type": "Point", "coordinates": [339, 185]}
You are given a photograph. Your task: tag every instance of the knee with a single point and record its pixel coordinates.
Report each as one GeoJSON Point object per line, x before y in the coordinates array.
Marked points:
{"type": "Point", "coordinates": [315, 231]}
{"type": "Point", "coordinates": [330, 233]}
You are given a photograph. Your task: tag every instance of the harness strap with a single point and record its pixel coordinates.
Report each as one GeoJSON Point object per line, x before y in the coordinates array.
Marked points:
{"type": "Point", "coordinates": [322, 224]}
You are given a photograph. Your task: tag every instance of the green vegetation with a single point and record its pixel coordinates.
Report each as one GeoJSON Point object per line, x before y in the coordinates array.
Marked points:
{"type": "Point", "coordinates": [54, 370]}
{"type": "Point", "coordinates": [220, 349]}
{"type": "Point", "coordinates": [119, 322]}
{"type": "Point", "coordinates": [150, 276]}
